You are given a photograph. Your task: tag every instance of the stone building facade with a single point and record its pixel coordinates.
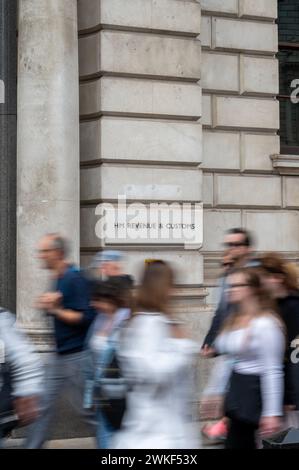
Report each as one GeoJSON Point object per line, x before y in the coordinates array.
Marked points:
{"type": "Point", "coordinates": [178, 103]}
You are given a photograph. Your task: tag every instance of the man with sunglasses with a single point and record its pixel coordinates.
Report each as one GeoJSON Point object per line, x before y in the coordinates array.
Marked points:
{"type": "Point", "coordinates": [238, 250]}
{"type": "Point", "coordinates": [238, 253]}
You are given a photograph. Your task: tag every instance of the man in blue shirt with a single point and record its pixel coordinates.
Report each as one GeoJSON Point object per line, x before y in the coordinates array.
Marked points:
{"type": "Point", "coordinates": [69, 305]}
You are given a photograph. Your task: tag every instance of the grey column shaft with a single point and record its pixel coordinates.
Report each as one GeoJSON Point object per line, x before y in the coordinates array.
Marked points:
{"type": "Point", "coordinates": [8, 69]}
{"type": "Point", "coordinates": [48, 141]}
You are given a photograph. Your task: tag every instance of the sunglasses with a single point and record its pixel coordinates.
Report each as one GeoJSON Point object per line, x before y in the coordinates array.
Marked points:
{"type": "Point", "coordinates": [235, 286]}
{"type": "Point", "coordinates": [234, 244]}
{"type": "Point", "coordinates": [226, 264]}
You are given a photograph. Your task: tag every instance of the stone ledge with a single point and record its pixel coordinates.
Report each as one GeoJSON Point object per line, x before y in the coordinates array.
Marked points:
{"type": "Point", "coordinates": [169, 16]}
{"type": "Point", "coordinates": [286, 164]}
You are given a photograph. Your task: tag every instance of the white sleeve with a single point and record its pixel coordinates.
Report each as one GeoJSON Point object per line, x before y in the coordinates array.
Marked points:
{"type": "Point", "coordinates": [149, 354]}
{"type": "Point", "coordinates": [271, 349]}
{"type": "Point", "coordinates": [25, 366]}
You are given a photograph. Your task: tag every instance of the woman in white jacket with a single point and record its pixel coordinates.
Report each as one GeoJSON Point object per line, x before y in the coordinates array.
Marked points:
{"type": "Point", "coordinates": [156, 358]}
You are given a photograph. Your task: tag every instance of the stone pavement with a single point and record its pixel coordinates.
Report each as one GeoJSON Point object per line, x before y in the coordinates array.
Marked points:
{"type": "Point", "coordinates": [82, 443]}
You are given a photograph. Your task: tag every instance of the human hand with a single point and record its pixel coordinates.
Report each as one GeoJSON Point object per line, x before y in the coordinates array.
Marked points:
{"type": "Point", "coordinates": [49, 301]}
{"type": "Point", "coordinates": [207, 351]}
{"type": "Point", "coordinates": [27, 409]}
{"type": "Point", "coordinates": [270, 425]}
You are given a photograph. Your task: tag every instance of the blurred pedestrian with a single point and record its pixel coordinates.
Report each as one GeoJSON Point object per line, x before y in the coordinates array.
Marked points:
{"type": "Point", "coordinates": [280, 278]}
{"type": "Point", "coordinates": [156, 356]}
{"type": "Point", "coordinates": [20, 377]}
{"type": "Point", "coordinates": [238, 246]}
{"type": "Point", "coordinates": [69, 305]}
{"type": "Point", "coordinates": [110, 263]}
{"type": "Point", "coordinates": [108, 299]}
{"type": "Point", "coordinates": [253, 339]}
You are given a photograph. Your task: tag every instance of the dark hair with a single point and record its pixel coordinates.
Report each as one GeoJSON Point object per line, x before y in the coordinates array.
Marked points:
{"type": "Point", "coordinates": [275, 264]}
{"type": "Point", "coordinates": [59, 243]}
{"type": "Point", "coordinates": [125, 285]}
{"type": "Point", "coordinates": [153, 293]}
{"type": "Point", "coordinates": [107, 290]}
{"type": "Point", "coordinates": [248, 239]}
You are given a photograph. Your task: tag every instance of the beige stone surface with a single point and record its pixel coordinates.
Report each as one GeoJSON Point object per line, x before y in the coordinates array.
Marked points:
{"type": "Point", "coordinates": [221, 150]}
{"type": "Point", "coordinates": [244, 35]}
{"type": "Point", "coordinates": [48, 140]}
{"type": "Point", "coordinates": [208, 189]}
{"type": "Point", "coordinates": [206, 110]}
{"type": "Point", "coordinates": [114, 138]}
{"type": "Point", "coordinates": [220, 72]}
{"type": "Point", "coordinates": [206, 31]}
{"type": "Point", "coordinates": [216, 223]}
{"type": "Point", "coordinates": [257, 149]}
{"type": "Point", "coordinates": [235, 190]}
{"type": "Point", "coordinates": [246, 112]}
{"type": "Point", "coordinates": [135, 96]}
{"type": "Point", "coordinates": [90, 55]}
{"type": "Point", "coordinates": [291, 191]}
{"type": "Point", "coordinates": [259, 75]}
{"type": "Point", "coordinates": [266, 9]}
{"type": "Point", "coordinates": [178, 16]}
{"type": "Point", "coordinates": [141, 54]}
{"type": "Point", "coordinates": [90, 140]}
{"type": "Point", "coordinates": [141, 183]}
{"type": "Point", "coordinates": [220, 6]}
{"type": "Point", "coordinates": [274, 230]}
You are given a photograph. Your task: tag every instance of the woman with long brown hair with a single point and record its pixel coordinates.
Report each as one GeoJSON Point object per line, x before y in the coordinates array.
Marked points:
{"type": "Point", "coordinates": [156, 356]}
{"type": "Point", "coordinates": [281, 280]}
{"type": "Point", "coordinates": [253, 339]}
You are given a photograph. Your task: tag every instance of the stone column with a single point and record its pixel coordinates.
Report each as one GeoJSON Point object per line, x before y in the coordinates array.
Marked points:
{"type": "Point", "coordinates": [48, 141]}
{"type": "Point", "coordinates": [8, 42]}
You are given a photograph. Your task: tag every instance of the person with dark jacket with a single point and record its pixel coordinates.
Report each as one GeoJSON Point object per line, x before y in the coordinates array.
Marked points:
{"type": "Point", "coordinates": [281, 280]}
{"type": "Point", "coordinates": [69, 305]}
{"type": "Point", "coordinates": [238, 245]}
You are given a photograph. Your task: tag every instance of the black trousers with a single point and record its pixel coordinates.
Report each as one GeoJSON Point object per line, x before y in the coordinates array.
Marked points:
{"type": "Point", "coordinates": [240, 435]}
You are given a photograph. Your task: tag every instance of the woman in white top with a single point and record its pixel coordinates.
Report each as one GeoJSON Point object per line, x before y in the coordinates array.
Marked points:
{"type": "Point", "coordinates": [253, 338]}
{"type": "Point", "coordinates": [156, 357]}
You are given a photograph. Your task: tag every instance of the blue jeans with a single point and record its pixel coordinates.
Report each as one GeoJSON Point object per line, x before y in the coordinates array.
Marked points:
{"type": "Point", "coordinates": [105, 431]}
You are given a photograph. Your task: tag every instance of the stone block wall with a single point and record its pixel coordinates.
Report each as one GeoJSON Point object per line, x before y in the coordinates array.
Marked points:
{"type": "Point", "coordinates": [140, 105]}
{"type": "Point", "coordinates": [240, 81]}
{"type": "Point", "coordinates": [178, 97]}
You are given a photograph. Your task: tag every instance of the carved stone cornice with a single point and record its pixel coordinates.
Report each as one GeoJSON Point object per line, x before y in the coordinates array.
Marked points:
{"type": "Point", "coordinates": [286, 164]}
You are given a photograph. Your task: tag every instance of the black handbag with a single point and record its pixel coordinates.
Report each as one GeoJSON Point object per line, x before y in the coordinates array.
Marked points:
{"type": "Point", "coordinates": [110, 394]}
{"type": "Point", "coordinates": [243, 400]}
